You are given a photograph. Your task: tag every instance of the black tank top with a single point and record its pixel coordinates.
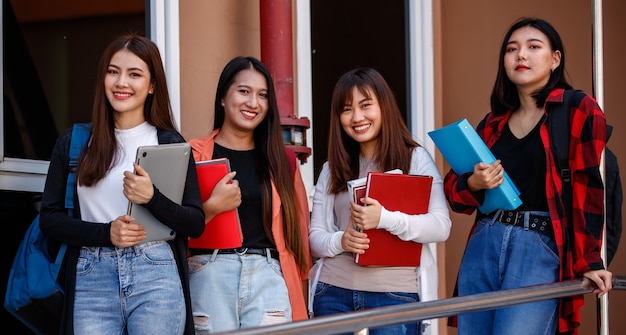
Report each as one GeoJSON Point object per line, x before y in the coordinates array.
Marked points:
{"type": "Point", "coordinates": [524, 160]}
{"type": "Point", "coordinates": [250, 211]}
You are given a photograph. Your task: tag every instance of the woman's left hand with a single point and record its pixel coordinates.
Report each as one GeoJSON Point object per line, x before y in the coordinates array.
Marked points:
{"type": "Point", "coordinates": [368, 216]}
{"type": "Point", "coordinates": [138, 186]}
{"type": "Point", "coordinates": [354, 241]}
{"type": "Point", "coordinates": [125, 232]}
{"type": "Point", "coordinates": [601, 281]}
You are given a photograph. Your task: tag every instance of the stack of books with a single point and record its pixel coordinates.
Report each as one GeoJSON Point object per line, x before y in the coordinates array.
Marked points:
{"type": "Point", "coordinates": [409, 194]}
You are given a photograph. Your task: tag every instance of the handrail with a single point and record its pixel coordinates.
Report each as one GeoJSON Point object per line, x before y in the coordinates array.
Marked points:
{"type": "Point", "coordinates": [619, 282]}
{"type": "Point", "coordinates": [383, 316]}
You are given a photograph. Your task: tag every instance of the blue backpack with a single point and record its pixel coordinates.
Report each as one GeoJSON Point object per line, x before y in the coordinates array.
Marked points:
{"type": "Point", "coordinates": [33, 295]}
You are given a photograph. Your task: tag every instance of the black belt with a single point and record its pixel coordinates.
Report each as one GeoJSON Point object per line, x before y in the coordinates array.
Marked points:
{"type": "Point", "coordinates": [240, 251]}
{"type": "Point", "coordinates": [539, 223]}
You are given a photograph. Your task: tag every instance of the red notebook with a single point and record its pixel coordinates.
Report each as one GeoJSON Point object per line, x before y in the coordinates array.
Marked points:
{"type": "Point", "coordinates": [409, 194]}
{"type": "Point", "coordinates": [224, 230]}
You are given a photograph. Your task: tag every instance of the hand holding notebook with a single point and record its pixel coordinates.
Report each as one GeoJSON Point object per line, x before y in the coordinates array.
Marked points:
{"type": "Point", "coordinates": [462, 148]}
{"type": "Point", "coordinates": [223, 231]}
{"type": "Point", "coordinates": [167, 166]}
{"type": "Point", "coordinates": [409, 194]}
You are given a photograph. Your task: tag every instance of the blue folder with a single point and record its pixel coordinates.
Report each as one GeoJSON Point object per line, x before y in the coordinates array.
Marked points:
{"type": "Point", "coordinates": [462, 148]}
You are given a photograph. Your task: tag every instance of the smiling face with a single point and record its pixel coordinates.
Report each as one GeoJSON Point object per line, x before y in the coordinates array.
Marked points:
{"type": "Point", "coordinates": [529, 59]}
{"type": "Point", "coordinates": [246, 101]}
{"type": "Point", "coordinates": [127, 83]}
{"type": "Point", "coordinates": [361, 119]}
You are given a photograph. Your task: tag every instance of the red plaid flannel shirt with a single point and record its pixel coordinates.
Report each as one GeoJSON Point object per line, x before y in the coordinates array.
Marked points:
{"type": "Point", "coordinates": [579, 242]}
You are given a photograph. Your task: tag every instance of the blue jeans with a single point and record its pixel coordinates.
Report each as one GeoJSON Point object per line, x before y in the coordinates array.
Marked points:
{"type": "Point", "coordinates": [134, 290]}
{"type": "Point", "coordinates": [500, 257]}
{"type": "Point", "coordinates": [331, 300]}
{"type": "Point", "coordinates": [232, 291]}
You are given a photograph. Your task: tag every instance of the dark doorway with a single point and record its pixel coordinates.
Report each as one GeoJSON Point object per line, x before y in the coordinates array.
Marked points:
{"type": "Point", "coordinates": [351, 33]}
{"type": "Point", "coordinates": [50, 72]}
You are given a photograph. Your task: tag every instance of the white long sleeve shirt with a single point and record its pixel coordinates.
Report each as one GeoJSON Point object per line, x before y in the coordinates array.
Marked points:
{"type": "Point", "coordinates": [325, 234]}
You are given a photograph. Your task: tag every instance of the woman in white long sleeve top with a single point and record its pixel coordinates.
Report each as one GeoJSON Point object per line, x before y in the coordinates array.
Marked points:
{"type": "Point", "coordinates": [367, 133]}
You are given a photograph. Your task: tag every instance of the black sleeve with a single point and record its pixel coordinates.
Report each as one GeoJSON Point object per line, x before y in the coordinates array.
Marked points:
{"type": "Point", "coordinates": [54, 221]}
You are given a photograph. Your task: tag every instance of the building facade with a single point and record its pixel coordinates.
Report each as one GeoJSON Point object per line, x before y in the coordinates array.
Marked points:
{"type": "Point", "coordinates": [440, 57]}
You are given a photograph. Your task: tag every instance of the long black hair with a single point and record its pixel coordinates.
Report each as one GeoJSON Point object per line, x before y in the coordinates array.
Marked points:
{"type": "Point", "coordinates": [271, 160]}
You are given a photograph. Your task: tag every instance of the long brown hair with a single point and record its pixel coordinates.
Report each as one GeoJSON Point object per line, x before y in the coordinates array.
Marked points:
{"type": "Point", "coordinates": [271, 160]}
{"type": "Point", "coordinates": [98, 157]}
{"type": "Point", "coordinates": [395, 143]}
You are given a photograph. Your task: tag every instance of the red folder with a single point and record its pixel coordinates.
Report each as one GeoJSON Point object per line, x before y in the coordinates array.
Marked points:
{"type": "Point", "coordinates": [224, 230]}
{"type": "Point", "coordinates": [409, 194]}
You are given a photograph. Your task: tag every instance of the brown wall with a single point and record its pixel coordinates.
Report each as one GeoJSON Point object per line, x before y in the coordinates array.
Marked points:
{"type": "Point", "coordinates": [468, 37]}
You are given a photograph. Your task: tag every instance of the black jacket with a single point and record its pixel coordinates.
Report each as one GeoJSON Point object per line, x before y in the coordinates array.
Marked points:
{"type": "Point", "coordinates": [187, 220]}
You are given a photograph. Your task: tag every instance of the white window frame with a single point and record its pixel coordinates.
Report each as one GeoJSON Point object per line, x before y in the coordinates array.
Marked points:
{"type": "Point", "coordinates": [421, 119]}
{"type": "Point", "coordinates": [305, 86]}
{"type": "Point", "coordinates": [421, 73]}
{"type": "Point", "coordinates": [164, 31]}
{"type": "Point", "coordinates": [28, 175]}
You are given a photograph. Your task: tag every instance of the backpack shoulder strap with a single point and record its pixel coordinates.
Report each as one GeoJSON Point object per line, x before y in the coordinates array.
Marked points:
{"type": "Point", "coordinates": [80, 136]}
{"type": "Point", "coordinates": [559, 129]}
{"type": "Point", "coordinates": [558, 126]}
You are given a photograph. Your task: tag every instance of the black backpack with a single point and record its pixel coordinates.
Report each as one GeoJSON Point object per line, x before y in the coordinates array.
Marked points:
{"type": "Point", "coordinates": [558, 123]}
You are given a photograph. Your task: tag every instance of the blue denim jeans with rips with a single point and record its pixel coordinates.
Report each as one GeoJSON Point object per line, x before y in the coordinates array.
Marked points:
{"type": "Point", "coordinates": [237, 291]}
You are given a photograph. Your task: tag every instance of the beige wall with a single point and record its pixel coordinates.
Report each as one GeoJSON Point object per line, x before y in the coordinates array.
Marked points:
{"type": "Point", "coordinates": [468, 37]}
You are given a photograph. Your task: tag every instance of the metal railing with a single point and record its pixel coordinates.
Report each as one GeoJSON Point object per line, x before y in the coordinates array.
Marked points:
{"type": "Point", "coordinates": [384, 316]}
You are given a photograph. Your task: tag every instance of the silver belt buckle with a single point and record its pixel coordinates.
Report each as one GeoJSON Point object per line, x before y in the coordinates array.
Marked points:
{"type": "Point", "coordinates": [243, 251]}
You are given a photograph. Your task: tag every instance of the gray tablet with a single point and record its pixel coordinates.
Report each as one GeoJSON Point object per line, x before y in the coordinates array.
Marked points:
{"type": "Point", "coordinates": [167, 166]}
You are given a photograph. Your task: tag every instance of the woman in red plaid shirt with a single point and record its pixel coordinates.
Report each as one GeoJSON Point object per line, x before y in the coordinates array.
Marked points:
{"type": "Point", "coordinates": [534, 244]}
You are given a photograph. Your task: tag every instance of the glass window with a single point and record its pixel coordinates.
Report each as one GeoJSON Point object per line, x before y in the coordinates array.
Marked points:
{"type": "Point", "coordinates": [50, 54]}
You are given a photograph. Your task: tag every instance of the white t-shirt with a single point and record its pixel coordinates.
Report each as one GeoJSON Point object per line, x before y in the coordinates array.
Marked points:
{"type": "Point", "coordinates": [105, 201]}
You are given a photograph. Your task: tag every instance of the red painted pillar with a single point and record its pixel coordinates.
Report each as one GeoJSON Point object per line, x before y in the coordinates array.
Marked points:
{"type": "Point", "coordinates": [277, 50]}
{"type": "Point", "coordinates": [277, 54]}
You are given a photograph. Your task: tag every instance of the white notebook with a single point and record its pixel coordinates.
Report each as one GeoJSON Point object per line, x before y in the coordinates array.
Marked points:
{"type": "Point", "coordinates": [167, 166]}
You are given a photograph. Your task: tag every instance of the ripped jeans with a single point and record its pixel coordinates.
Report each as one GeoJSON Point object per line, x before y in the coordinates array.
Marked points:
{"type": "Point", "coordinates": [232, 291]}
